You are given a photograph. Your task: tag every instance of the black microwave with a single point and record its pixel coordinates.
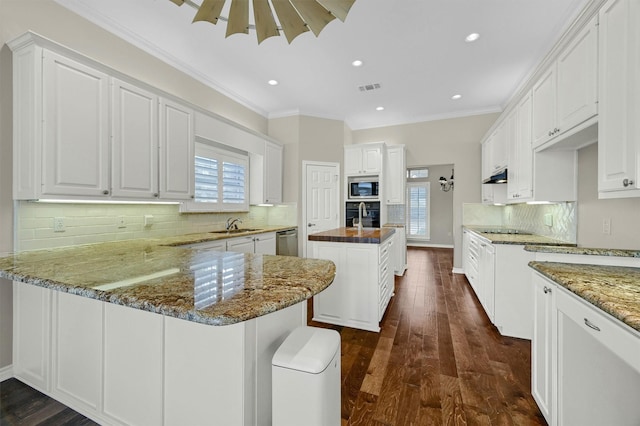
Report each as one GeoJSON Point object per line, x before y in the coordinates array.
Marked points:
{"type": "Point", "coordinates": [364, 187]}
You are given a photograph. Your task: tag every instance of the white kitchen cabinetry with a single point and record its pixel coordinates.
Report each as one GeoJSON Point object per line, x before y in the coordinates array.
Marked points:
{"type": "Point", "coordinates": [134, 162]}
{"type": "Point", "coordinates": [396, 174]}
{"type": "Point", "coordinates": [266, 175]}
{"type": "Point", "coordinates": [258, 243]}
{"type": "Point", "coordinates": [363, 159]}
{"type": "Point", "coordinates": [542, 345]}
{"type": "Point", "coordinates": [362, 287]}
{"type": "Point", "coordinates": [520, 184]}
{"type": "Point", "coordinates": [619, 91]}
{"type": "Point", "coordinates": [487, 190]}
{"type": "Point", "coordinates": [399, 256]}
{"type": "Point", "coordinates": [566, 95]}
{"type": "Point", "coordinates": [176, 151]}
{"type": "Point", "coordinates": [486, 278]}
{"type": "Point", "coordinates": [585, 365]}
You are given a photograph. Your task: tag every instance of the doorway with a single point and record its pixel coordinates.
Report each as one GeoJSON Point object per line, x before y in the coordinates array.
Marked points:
{"type": "Point", "coordinates": [321, 195]}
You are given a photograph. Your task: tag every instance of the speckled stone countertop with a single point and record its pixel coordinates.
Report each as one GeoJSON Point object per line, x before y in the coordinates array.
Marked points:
{"type": "Point", "coordinates": [516, 238]}
{"type": "Point", "coordinates": [614, 289]}
{"type": "Point", "coordinates": [352, 235]}
{"type": "Point", "coordinates": [180, 282]}
{"type": "Point", "coordinates": [583, 250]}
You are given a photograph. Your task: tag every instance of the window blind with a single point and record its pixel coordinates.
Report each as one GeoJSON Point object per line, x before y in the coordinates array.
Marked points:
{"type": "Point", "coordinates": [418, 210]}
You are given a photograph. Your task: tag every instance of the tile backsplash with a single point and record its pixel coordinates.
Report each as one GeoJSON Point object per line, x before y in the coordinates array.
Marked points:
{"type": "Point", "coordinates": [527, 217]}
{"type": "Point", "coordinates": [94, 223]}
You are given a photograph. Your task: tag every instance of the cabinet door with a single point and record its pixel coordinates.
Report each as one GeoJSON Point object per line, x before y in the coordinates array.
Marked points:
{"type": "Point", "coordinates": [520, 185]}
{"type": "Point", "coordinates": [353, 160]}
{"type": "Point", "coordinates": [499, 151]}
{"type": "Point", "coordinates": [487, 190]}
{"type": "Point", "coordinates": [372, 159]}
{"type": "Point", "coordinates": [577, 70]}
{"type": "Point", "coordinates": [544, 108]}
{"type": "Point", "coordinates": [486, 279]}
{"type": "Point", "coordinates": [240, 245]}
{"type": "Point", "coordinates": [542, 344]}
{"type": "Point", "coordinates": [134, 163]}
{"type": "Point", "coordinates": [273, 169]}
{"type": "Point", "coordinates": [265, 243]}
{"type": "Point", "coordinates": [75, 157]}
{"type": "Point", "coordinates": [396, 176]}
{"type": "Point", "coordinates": [176, 151]}
{"type": "Point", "coordinates": [618, 127]}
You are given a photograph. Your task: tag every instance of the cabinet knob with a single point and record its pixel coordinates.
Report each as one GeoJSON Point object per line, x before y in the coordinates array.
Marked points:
{"type": "Point", "coordinates": [546, 290]}
{"type": "Point", "coordinates": [193, 196]}
{"type": "Point", "coordinates": [155, 195]}
{"type": "Point", "coordinates": [105, 192]}
{"type": "Point", "coordinates": [627, 182]}
{"type": "Point", "coordinates": [310, 224]}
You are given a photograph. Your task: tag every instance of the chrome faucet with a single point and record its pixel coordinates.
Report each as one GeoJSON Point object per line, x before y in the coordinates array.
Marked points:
{"type": "Point", "coordinates": [362, 212]}
{"type": "Point", "coordinates": [233, 223]}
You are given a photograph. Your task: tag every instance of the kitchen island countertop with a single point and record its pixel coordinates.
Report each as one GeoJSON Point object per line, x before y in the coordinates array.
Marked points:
{"type": "Point", "coordinates": [614, 289]}
{"type": "Point", "coordinates": [353, 235]}
{"type": "Point", "coordinates": [186, 283]}
{"type": "Point", "coordinates": [516, 238]}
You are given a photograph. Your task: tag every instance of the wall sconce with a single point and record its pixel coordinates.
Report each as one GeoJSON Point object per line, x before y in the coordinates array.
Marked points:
{"type": "Point", "coordinates": [446, 185]}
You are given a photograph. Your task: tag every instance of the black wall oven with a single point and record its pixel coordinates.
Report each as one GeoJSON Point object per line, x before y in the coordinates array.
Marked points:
{"type": "Point", "coordinates": [373, 214]}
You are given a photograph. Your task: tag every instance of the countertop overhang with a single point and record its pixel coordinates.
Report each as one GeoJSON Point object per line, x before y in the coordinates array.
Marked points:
{"type": "Point", "coordinates": [517, 238]}
{"type": "Point", "coordinates": [200, 285]}
{"type": "Point", "coordinates": [354, 235]}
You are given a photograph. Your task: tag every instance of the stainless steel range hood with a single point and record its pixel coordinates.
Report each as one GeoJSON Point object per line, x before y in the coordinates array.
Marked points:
{"type": "Point", "coordinates": [499, 177]}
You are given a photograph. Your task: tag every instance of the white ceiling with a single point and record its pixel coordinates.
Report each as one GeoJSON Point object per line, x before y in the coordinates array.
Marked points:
{"type": "Point", "coordinates": [414, 49]}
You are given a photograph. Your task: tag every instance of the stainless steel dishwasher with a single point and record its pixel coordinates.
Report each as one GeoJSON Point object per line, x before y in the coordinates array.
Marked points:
{"type": "Point", "coordinates": [287, 242]}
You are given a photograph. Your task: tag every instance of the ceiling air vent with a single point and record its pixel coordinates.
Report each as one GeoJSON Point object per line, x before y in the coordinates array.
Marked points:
{"type": "Point", "coordinates": [369, 87]}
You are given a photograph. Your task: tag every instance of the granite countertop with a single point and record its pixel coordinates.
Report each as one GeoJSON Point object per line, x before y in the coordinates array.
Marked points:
{"type": "Point", "coordinates": [497, 235]}
{"type": "Point", "coordinates": [180, 282]}
{"type": "Point", "coordinates": [203, 237]}
{"type": "Point", "coordinates": [352, 235]}
{"type": "Point", "coordinates": [584, 250]}
{"type": "Point", "coordinates": [614, 289]}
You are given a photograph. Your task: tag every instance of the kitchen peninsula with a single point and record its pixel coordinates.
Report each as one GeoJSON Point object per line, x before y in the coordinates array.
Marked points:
{"type": "Point", "coordinates": [141, 332]}
{"type": "Point", "coordinates": [364, 282]}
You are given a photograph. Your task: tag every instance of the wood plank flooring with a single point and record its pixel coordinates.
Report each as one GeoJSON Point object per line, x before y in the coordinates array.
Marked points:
{"type": "Point", "coordinates": [437, 361]}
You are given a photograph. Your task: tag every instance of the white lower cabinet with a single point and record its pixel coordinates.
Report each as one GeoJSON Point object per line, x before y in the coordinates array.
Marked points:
{"type": "Point", "coordinates": [258, 243]}
{"type": "Point", "coordinates": [362, 288]}
{"type": "Point", "coordinates": [123, 366]}
{"type": "Point", "coordinates": [585, 364]}
{"type": "Point", "coordinates": [486, 276]}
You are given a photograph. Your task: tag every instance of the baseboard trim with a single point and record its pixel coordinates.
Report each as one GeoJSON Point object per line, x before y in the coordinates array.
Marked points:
{"type": "Point", "coordinates": [6, 373]}
{"type": "Point", "coordinates": [458, 271]}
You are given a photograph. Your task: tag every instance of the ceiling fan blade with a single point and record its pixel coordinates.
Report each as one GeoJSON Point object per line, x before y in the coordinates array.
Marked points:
{"type": "Point", "coordinates": [316, 16]}
{"type": "Point", "coordinates": [265, 24]}
{"type": "Point", "coordinates": [339, 8]}
{"type": "Point", "coordinates": [178, 2]}
{"type": "Point", "coordinates": [209, 11]}
{"type": "Point", "coordinates": [291, 23]}
{"type": "Point", "coordinates": [238, 17]}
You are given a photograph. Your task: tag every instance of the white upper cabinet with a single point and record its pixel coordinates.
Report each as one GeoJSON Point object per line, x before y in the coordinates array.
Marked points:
{"type": "Point", "coordinates": [176, 151]}
{"type": "Point", "coordinates": [619, 92]}
{"type": "Point", "coordinates": [363, 159]}
{"type": "Point", "coordinates": [520, 184]}
{"type": "Point", "coordinates": [266, 175]}
{"type": "Point", "coordinates": [396, 174]}
{"type": "Point", "coordinates": [75, 142]}
{"type": "Point", "coordinates": [566, 94]}
{"type": "Point", "coordinates": [134, 163]}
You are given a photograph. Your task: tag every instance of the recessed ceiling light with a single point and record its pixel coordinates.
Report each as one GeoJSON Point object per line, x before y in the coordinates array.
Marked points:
{"type": "Point", "coordinates": [380, 108]}
{"type": "Point", "coordinates": [357, 63]}
{"type": "Point", "coordinates": [472, 37]}
{"type": "Point", "coordinates": [456, 97]}
{"type": "Point", "coordinates": [273, 82]}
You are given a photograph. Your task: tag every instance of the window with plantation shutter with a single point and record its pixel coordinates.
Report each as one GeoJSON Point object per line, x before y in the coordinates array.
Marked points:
{"type": "Point", "coordinates": [221, 179]}
{"type": "Point", "coordinates": [418, 210]}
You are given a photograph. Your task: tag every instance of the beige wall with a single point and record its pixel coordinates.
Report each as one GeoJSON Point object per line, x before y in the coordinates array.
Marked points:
{"type": "Point", "coordinates": [454, 141]}
{"type": "Point", "coordinates": [623, 212]}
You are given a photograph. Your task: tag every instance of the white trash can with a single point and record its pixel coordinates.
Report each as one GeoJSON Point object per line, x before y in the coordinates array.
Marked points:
{"type": "Point", "coordinates": [306, 379]}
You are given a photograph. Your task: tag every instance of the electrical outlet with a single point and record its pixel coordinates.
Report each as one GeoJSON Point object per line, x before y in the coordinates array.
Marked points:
{"type": "Point", "coordinates": [606, 226]}
{"type": "Point", "coordinates": [548, 219]}
{"type": "Point", "coordinates": [120, 222]}
{"type": "Point", "coordinates": [148, 220]}
{"type": "Point", "coordinates": [58, 224]}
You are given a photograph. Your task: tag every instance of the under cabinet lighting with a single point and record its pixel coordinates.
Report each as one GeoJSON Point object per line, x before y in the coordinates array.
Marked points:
{"type": "Point", "coordinates": [54, 201]}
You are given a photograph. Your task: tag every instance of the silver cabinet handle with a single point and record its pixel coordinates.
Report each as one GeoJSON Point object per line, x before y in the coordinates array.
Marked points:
{"type": "Point", "coordinates": [591, 325]}
{"type": "Point", "coordinates": [546, 290]}
{"type": "Point", "coordinates": [311, 224]}
{"type": "Point", "coordinates": [627, 182]}
{"type": "Point", "coordinates": [105, 192]}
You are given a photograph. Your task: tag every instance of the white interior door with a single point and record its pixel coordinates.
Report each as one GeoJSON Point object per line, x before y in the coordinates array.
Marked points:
{"type": "Point", "coordinates": [321, 183]}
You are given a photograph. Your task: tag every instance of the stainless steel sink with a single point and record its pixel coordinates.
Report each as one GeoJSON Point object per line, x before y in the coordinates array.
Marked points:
{"type": "Point", "coordinates": [234, 231]}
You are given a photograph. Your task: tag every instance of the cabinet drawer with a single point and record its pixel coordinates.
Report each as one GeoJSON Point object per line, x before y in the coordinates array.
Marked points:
{"type": "Point", "coordinates": [385, 251]}
{"type": "Point", "coordinates": [613, 334]}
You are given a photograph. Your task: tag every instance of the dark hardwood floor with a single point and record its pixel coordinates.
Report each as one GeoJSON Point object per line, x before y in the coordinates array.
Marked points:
{"type": "Point", "coordinates": [437, 361]}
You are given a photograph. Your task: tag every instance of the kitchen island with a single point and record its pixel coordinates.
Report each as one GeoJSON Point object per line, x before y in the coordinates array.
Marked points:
{"type": "Point", "coordinates": [141, 332]}
{"type": "Point", "coordinates": [364, 282]}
